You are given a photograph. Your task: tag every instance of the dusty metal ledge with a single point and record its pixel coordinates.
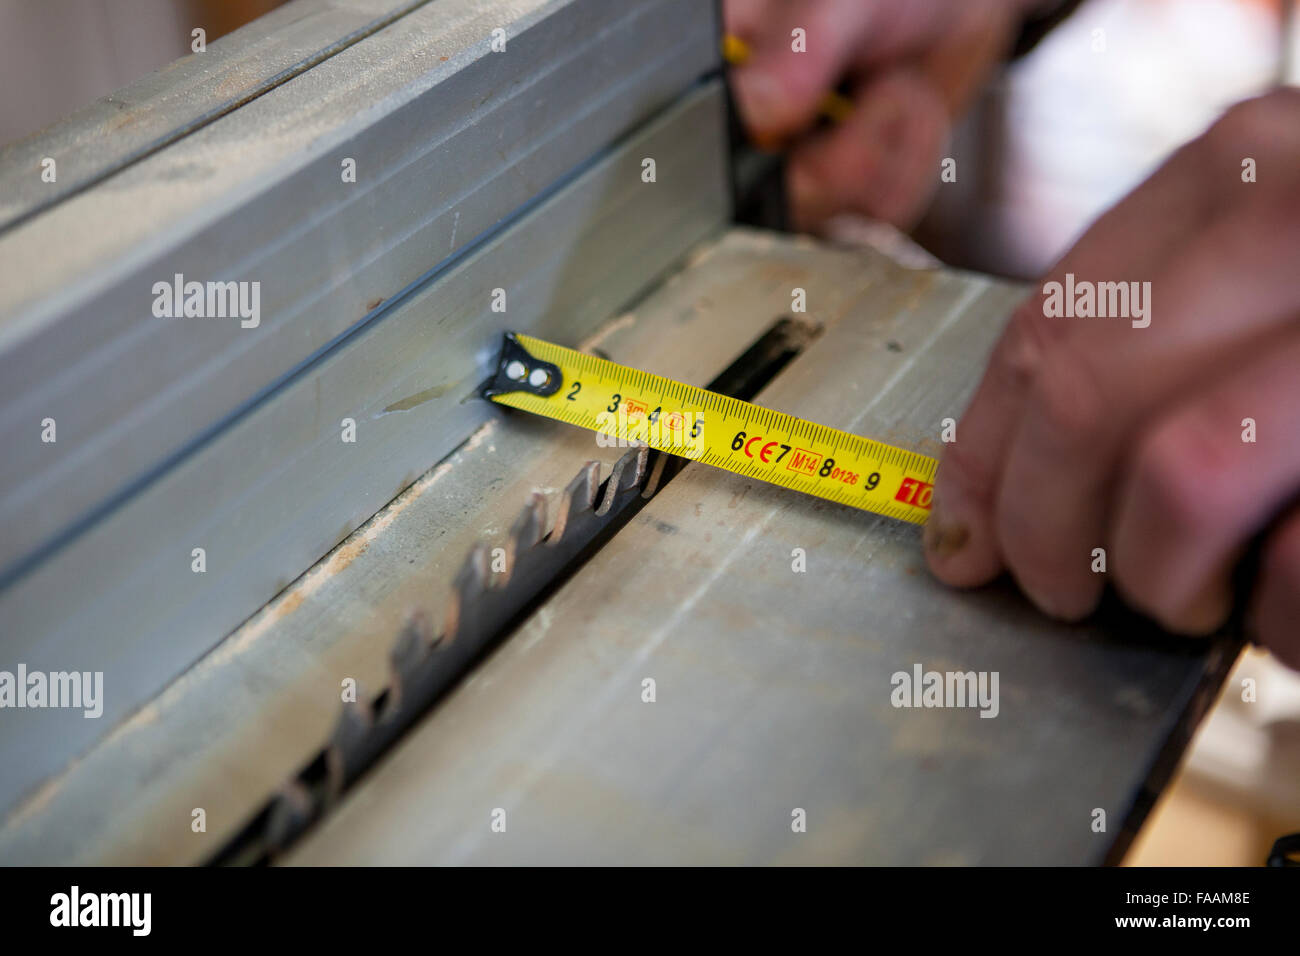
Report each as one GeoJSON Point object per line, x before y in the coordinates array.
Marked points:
{"type": "Point", "coordinates": [279, 487]}
{"type": "Point", "coordinates": [449, 139]}
{"type": "Point", "coordinates": [165, 106]}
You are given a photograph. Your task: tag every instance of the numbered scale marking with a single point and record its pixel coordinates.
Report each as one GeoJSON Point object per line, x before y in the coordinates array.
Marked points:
{"type": "Point", "coordinates": [634, 406]}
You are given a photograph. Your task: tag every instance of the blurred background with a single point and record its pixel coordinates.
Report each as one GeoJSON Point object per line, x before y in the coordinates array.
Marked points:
{"type": "Point", "coordinates": [1062, 134]}
{"type": "Point", "coordinates": [57, 56]}
{"type": "Point", "coordinates": [1090, 112]}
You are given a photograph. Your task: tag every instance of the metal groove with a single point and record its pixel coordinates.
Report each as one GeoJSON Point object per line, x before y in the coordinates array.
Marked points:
{"type": "Point", "coordinates": [373, 235]}
{"type": "Point", "coordinates": [16, 572]}
{"type": "Point", "coordinates": [484, 603]}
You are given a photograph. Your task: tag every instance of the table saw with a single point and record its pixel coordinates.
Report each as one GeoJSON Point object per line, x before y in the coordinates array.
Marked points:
{"type": "Point", "coordinates": [269, 537]}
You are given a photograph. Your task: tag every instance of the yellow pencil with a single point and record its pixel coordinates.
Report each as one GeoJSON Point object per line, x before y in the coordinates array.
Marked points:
{"type": "Point", "coordinates": [836, 107]}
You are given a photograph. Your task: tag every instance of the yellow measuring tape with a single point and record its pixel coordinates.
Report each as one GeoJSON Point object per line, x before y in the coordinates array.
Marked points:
{"type": "Point", "coordinates": [632, 406]}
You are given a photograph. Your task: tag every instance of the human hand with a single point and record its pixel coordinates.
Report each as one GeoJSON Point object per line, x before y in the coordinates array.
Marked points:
{"type": "Point", "coordinates": [1172, 445]}
{"type": "Point", "coordinates": [912, 66]}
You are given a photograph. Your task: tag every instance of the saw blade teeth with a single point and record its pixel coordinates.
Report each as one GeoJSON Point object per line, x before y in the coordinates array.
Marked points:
{"type": "Point", "coordinates": [470, 583]}
{"type": "Point", "coordinates": [354, 723]}
{"type": "Point", "coordinates": [479, 610]}
{"type": "Point", "coordinates": [629, 471]}
{"type": "Point", "coordinates": [353, 726]}
{"type": "Point", "coordinates": [579, 496]}
{"type": "Point", "coordinates": [290, 812]}
{"type": "Point", "coordinates": [475, 575]}
{"type": "Point", "coordinates": [526, 532]}
{"type": "Point", "coordinates": [656, 476]}
{"type": "Point", "coordinates": [409, 651]}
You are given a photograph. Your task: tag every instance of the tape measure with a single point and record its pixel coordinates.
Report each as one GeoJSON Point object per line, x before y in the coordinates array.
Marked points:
{"type": "Point", "coordinates": [635, 407]}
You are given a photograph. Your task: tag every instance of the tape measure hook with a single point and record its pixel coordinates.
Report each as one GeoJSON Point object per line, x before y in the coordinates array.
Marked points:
{"type": "Point", "coordinates": [520, 371]}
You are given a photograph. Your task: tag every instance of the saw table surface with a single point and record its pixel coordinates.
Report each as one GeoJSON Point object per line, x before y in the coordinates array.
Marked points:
{"type": "Point", "coordinates": [774, 688]}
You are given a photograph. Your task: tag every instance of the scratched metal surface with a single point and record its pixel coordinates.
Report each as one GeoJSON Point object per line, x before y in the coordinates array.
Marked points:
{"type": "Point", "coordinates": [450, 140]}
{"type": "Point", "coordinates": [235, 725]}
{"type": "Point", "coordinates": [774, 687]}
{"type": "Point", "coordinates": [270, 494]}
{"type": "Point", "coordinates": [164, 105]}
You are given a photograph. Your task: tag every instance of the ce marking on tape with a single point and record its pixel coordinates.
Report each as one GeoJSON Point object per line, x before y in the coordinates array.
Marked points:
{"type": "Point", "coordinates": [802, 461]}
{"type": "Point", "coordinates": [746, 439]}
{"type": "Point", "coordinates": [765, 453]}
